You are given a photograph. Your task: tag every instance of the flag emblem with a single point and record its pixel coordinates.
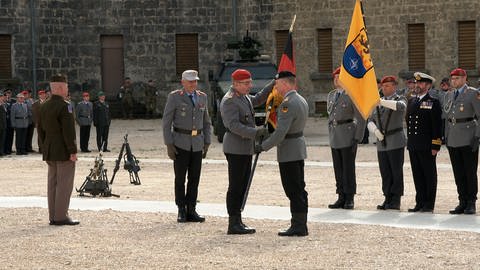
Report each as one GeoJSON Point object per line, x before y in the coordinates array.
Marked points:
{"type": "Point", "coordinates": [356, 58]}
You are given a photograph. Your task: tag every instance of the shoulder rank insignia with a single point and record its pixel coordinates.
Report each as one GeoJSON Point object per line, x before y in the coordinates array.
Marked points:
{"type": "Point", "coordinates": [200, 93]}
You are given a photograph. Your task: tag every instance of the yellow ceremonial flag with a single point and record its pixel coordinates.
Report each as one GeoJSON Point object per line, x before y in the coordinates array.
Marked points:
{"type": "Point", "coordinates": [357, 75]}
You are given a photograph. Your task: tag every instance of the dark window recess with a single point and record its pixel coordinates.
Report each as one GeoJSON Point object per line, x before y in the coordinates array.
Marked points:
{"type": "Point", "coordinates": [186, 52]}
{"type": "Point", "coordinates": [281, 37]}
{"type": "Point", "coordinates": [5, 57]}
{"type": "Point", "coordinates": [324, 44]}
{"type": "Point", "coordinates": [416, 46]}
{"type": "Point", "coordinates": [467, 56]}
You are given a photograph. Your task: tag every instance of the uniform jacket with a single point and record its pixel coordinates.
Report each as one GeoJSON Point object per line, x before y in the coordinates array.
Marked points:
{"type": "Point", "coordinates": [292, 116]}
{"type": "Point", "coordinates": [344, 134]}
{"type": "Point", "coordinates": [8, 104]}
{"type": "Point", "coordinates": [239, 119]}
{"type": "Point", "coordinates": [467, 107]}
{"type": "Point", "coordinates": [180, 113]}
{"type": "Point", "coordinates": [36, 111]}
{"type": "Point", "coordinates": [3, 117]}
{"type": "Point", "coordinates": [57, 129]}
{"type": "Point", "coordinates": [424, 124]}
{"type": "Point", "coordinates": [29, 103]}
{"type": "Point", "coordinates": [84, 113]}
{"type": "Point", "coordinates": [101, 114]}
{"type": "Point", "coordinates": [20, 115]}
{"type": "Point", "coordinates": [391, 124]}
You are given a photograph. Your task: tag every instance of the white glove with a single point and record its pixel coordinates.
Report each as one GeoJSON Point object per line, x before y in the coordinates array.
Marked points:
{"type": "Point", "coordinates": [373, 129]}
{"type": "Point", "coordinates": [391, 104]}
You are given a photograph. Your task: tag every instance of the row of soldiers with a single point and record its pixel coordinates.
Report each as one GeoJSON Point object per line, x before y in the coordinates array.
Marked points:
{"type": "Point", "coordinates": [19, 117]}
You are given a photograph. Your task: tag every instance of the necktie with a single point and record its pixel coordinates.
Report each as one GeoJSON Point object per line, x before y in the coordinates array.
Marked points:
{"type": "Point", "coordinates": [192, 99]}
{"type": "Point", "coordinates": [455, 95]}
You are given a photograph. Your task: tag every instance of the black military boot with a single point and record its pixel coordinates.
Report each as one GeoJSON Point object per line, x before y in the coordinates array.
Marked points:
{"type": "Point", "coordinates": [349, 203]}
{"type": "Point", "coordinates": [394, 203]}
{"type": "Point", "coordinates": [460, 208]}
{"type": "Point", "coordinates": [383, 205]}
{"type": "Point", "coordinates": [235, 226]}
{"type": "Point", "coordinates": [192, 215]}
{"type": "Point", "coordinates": [182, 214]}
{"type": "Point", "coordinates": [298, 226]}
{"type": "Point", "coordinates": [470, 209]}
{"type": "Point", "coordinates": [339, 203]}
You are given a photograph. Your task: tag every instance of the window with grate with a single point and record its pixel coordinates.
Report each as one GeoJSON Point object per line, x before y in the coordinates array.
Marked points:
{"type": "Point", "coordinates": [5, 57]}
{"type": "Point", "coordinates": [467, 56]}
{"type": "Point", "coordinates": [324, 44]}
{"type": "Point", "coordinates": [281, 37]}
{"type": "Point", "coordinates": [416, 46]}
{"type": "Point", "coordinates": [186, 52]}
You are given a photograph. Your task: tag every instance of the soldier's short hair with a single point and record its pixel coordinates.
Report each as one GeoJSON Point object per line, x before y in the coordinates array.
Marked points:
{"type": "Point", "coordinates": [59, 77]}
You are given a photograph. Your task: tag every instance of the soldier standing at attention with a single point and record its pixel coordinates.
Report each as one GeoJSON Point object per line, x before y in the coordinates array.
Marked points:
{"type": "Point", "coordinates": [126, 96]}
{"type": "Point", "coordinates": [291, 150]}
{"type": "Point", "coordinates": [42, 97]}
{"type": "Point", "coordinates": [238, 118]}
{"type": "Point", "coordinates": [186, 133]}
{"type": "Point", "coordinates": [101, 120]}
{"type": "Point", "coordinates": [3, 122]}
{"type": "Point", "coordinates": [84, 118]}
{"type": "Point", "coordinates": [9, 132]}
{"type": "Point", "coordinates": [346, 128]}
{"type": "Point", "coordinates": [150, 99]}
{"type": "Point", "coordinates": [31, 126]}
{"type": "Point", "coordinates": [57, 136]}
{"type": "Point", "coordinates": [19, 117]}
{"type": "Point", "coordinates": [462, 135]}
{"type": "Point", "coordinates": [386, 123]}
{"type": "Point", "coordinates": [424, 133]}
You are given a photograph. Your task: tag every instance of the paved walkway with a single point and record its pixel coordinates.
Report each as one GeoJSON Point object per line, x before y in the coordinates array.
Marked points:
{"type": "Point", "coordinates": [382, 218]}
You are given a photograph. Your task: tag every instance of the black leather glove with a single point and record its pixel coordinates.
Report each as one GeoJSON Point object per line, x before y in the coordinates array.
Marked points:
{"type": "Point", "coordinates": [205, 150]}
{"type": "Point", "coordinates": [261, 133]}
{"type": "Point", "coordinates": [258, 148]}
{"type": "Point", "coordinates": [474, 143]}
{"type": "Point", "coordinates": [172, 151]}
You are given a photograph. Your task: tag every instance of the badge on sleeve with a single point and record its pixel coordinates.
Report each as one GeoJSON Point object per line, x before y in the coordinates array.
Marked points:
{"type": "Point", "coordinates": [284, 109]}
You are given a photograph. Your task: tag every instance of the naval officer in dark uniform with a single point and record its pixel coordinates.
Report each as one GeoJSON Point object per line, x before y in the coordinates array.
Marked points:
{"type": "Point", "coordinates": [238, 143]}
{"type": "Point", "coordinates": [424, 124]}
{"type": "Point", "coordinates": [462, 134]}
{"type": "Point", "coordinates": [186, 133]}
{"type": "Point", "coordinates": [345, 129]}
{"type": "Point", "coordinates": [386, 123]}
{"type": "Point", "coordinates": [291, 150]}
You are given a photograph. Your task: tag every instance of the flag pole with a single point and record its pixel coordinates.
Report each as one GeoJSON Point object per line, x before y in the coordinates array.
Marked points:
{"type": "Point", "coordinates": [293, 23]}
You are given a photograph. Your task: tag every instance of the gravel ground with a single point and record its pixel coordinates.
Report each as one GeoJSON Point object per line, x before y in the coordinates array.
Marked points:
{"type": "Point", "coordinates": [127, 240]}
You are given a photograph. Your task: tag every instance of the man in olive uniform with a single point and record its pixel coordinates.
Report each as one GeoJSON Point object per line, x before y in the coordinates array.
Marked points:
{"type": "Point", "coordinates": [84, 118]}
{"type": "Point", "coordinates": [42, 97]}
{"type": "Point", "coordinates": [150, 99]}
{"type": "Point", "coordinates": [101, 121]}
{"type": "Point", "coordinates": [238, 118]}
{"type": "Point", "coordinates": [57, 136]}
{"type": "Point", "coordinates": [126, 96]}
{"type": "Point", "coordinates": [19, 117]}
{"type": "Point", "coordinates": [462, 134]}
{"type": "Point", "coordinates": [424, 124]}
{"type": "Point", "coordinates": [346, 128]}
{"type": "Point", "coordinates": [291, 150]}
{"type": "Point", "coordinates": [186, 133]}
{"type": "Point", "coordinates": [386, 123]}
{"type": "Point", "coordinates": [3, 122]}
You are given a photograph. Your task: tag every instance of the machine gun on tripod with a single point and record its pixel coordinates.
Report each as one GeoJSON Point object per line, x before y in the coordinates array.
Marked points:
{"type": "Point", "coordinates": [130, 163]}
{"type": "Point", "coordinates": [96, 183]}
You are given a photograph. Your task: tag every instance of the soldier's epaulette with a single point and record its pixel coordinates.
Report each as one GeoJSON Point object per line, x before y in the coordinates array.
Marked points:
{"type": "Point", "coordinates": [66, 101]}
{"type": "Point", "coordinates": [437, 141]}
{"type": "Point", "coordinates": [200, 93]}
{"type": "Point", "coordinates": [229, 94]}
{"type": "Point", "coordinates": [178, 92]}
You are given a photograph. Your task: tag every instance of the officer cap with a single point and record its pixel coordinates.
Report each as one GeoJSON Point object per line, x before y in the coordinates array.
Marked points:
{"type": "Point", "coordinates": [284, 74]}
{"type": "Point", "coordinates": [41, 92]}
{"type": "Point", "coordinates": [335, 72]}
{"type": "Point", "coordinates": [241, 74]}
{"type": "Point", "coordinates": [25, 92]}
{"type": "Point", "coordinates": [423, 77]}
{"type": "Point", "coordinates": [7, 91]}
{"type": "Point", "coordinates": [20, 95]}
{"type": "Point", "coordinates": [458, 72]}
{"type": "Point", "coordinates": [389, 78]}
{"type": "Point", "coordinates": [100, 94]}
{"type": "Point", "coordinates": [190, 75]}
{"type": "Point", "coordinates": [445, 80]}
{"type": "Point", "coordinates": [85, 94]}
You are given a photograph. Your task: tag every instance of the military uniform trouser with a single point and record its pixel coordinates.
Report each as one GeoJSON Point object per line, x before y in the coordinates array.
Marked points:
{"type": "Point", "coordinates": [391, 170]}
{"type": "Point", "coordinates": [84, 137]}
{"type": "Point", "coordinates": [187, 163]}
{"type": "Point", "coordinates": [30, 130]}
{"type": "Point", "coordinates": [21, 140]}
{"type": "Point", "coordinates": [239, 168]}
{"type": "Point", "coordinates": [102, 137]}
{"type": "Point", "coordinates": [60, 186]}
{"type": "Point", "coordinates": [424, 171]}
{"type": "Point", "coordinates": [293, 182]}
{"type": "Point", "coordinates": [2, 141]}
{"type": "Point", "coordinates": [465, 164]}
{"type": "Point", "coordinates": [344, 168]}
{"type": "Point", "coordinates": [9, 132]}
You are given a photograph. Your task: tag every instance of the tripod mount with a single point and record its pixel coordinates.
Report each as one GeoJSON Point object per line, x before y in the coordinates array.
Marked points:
{"type": "Point", "coordinates": [130, 163]}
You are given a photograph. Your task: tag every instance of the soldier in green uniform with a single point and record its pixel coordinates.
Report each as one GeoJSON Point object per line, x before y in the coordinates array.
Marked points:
{"type": "Point", "coordinates": [126, 96]}
{"type": "Point", "coordinates": [59, 148]}
{"type": "Point", "coordinates": [150, 99]}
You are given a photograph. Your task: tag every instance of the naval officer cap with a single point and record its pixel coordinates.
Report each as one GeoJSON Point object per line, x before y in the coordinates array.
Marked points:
{"type": "Point", "coordinates": [423, 77]}
{"type": "Point", "coordinates": [190, 75]}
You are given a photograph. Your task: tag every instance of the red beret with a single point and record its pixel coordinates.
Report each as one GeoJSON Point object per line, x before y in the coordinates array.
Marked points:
{"type": "Point", "coordinates": [85, 94]}
{"type": "Point", "coordinates": [389, 78]}
{"type": "Point", "coordinates": [458, 72]}
{"type": "Point", "coordinates": [335, 72]}
{"type": "Point", "coordinates": [241, 74]}
{"type": "Point", "coordinates": [24, 92]}
{"type": "Point", "coordinates": [41, 92]}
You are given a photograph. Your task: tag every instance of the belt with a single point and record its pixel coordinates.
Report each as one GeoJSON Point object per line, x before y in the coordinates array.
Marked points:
{"type": "Point", "coordinates": [340, 122]}
{"type": "Point", "coordinates": [461, 120]}
{"type": "Point", "coordinates": [294, 135]}
{"type": "Point", "coordinates": [21, 117]}
{"type": "Point", "coordinates": [81, 116]}
{"type": "Point", "coordinates": [393, 131]}
{"type": "Point", "coordinates": [193, 132]}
